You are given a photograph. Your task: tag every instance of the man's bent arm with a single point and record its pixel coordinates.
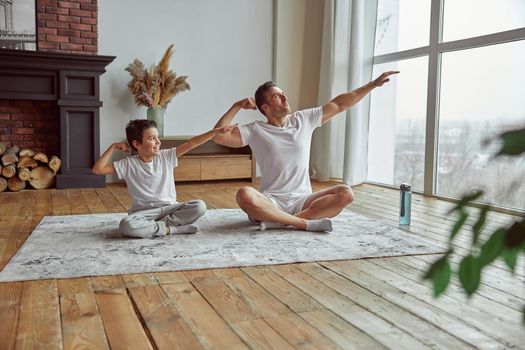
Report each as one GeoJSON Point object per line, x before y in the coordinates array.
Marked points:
{"type": "Point", "coordinates": [233, 137]}
{"type": "Point", "coordinates": [344, 101]}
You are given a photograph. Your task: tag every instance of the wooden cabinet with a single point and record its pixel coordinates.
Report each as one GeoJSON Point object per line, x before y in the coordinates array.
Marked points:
{"type": "Point", "coordinates": [212, 162]}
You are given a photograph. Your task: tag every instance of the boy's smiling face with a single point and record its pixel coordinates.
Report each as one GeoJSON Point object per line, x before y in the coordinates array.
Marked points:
{"type": "Point", "coordinates": [150, 145]}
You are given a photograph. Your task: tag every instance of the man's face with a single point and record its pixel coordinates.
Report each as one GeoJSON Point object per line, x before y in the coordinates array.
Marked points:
{"type": "Point", "coordinates": [150, 145]}
{"type": "Point", "coordinates": [276, 102]}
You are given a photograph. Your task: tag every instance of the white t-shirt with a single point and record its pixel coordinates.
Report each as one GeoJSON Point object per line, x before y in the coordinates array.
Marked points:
{"type": "Point", "coordinates": [283, 153]}
{"type": "Point", "coordinates": [150, 185]}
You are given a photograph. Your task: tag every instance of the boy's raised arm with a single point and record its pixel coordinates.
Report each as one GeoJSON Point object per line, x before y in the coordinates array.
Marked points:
{"type": "Point", "coordinates": [102, 165]}
{"type": "Point", "coordinates": [200, 139]}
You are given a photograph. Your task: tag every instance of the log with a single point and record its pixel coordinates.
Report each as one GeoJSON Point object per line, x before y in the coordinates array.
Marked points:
{"type": "Point", "coordinates": [3, 184]}
{"type": "Point", "coordinates": [26, 162]}
{"type": "Point", "coordinates": [3, 147]}
{"type": "Point", "coordinates": [15, 184]}
{"type": "Point", "coordinates": [41, 157]}
{"type": "Point", "coordinates": [55, 163]}
{"type": "Point", "coordinates": [26, 152]}
{"type": "Point", "coordinates": [9, 171]}
{"type": "Point", "coordinates": [24, 174]}
{"type": "Point", "coordinates": [42, 177]}
{"type": "Point", "coordinates": [9, 158]}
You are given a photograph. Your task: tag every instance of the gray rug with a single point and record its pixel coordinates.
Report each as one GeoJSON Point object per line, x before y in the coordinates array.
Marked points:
{"type": "Point", "coordinates": [90, 245]}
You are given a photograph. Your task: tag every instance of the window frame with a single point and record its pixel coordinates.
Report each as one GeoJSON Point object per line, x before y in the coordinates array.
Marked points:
{"type": "Point", "coordinates": [434, 51]}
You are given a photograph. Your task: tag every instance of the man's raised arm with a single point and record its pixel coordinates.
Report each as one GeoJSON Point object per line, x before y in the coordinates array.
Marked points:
{"type": "Point", "coordinates": [344, 101]}
{"type": "Point", "coordinates": [232, 138]}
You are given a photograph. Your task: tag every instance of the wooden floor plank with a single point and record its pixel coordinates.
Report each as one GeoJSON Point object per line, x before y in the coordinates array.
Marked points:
{"type": "Point", "coordinates": [224, 300]}
{"type": "Point", "coordinates": [76, 201]}
{"type": "Point", "coordinates": [39, 320]}
{"type": "Point", "coordinates": [281, 289]}
{"type": "Point", "coordinates": [10, 296]}
{"type": "Point", "coordinates": [107, 282]}
{"type": "Point", "coordinates": [82, 326]}
{"type": "Point", "coordinates": [259, 335]}
{"type": "Point", "coordinates": [211, 330]}
{"type": "Point", "coordinates": [60, 202]}
{"type": "Point", "coordinates": [165, 324]}
{"type": "Point", "coordinates": [123, 327]}
{"type": "Point", "coordinates": [300, 333]}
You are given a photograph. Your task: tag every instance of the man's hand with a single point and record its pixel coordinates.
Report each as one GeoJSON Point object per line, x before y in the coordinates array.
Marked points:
{"type": "Point", "coordinates": [247, 103]}
{"type": "Point", "coordinates": [383, 78]}
{"type": "Point", "coordinates": [122, 146]}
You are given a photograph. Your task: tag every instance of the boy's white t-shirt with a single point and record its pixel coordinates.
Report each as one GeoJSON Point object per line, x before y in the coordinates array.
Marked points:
{"type": "Point", "coordinates": [283, 153]}
{"type": "Point", "coordinates": [150, 185]}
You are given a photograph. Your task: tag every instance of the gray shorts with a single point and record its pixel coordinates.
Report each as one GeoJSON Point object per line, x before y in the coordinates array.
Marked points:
{"type": "Point", "coordinates": [291, 203]}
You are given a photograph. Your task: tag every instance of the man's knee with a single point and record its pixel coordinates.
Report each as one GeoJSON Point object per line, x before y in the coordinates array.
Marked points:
{"type": "Point", "coordinates": [345, 194]}
{"type": "Point", "coordinates": [246, 196]}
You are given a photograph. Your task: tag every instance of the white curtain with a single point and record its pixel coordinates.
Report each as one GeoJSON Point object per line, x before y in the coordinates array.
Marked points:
{"type": "Point", "coordinates": [339, 148]}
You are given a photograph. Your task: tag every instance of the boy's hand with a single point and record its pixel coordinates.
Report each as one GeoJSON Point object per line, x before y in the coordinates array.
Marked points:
{"type": "Point", "coordinates": [247, 103]}
{"type": "Point", "coordinates": [122, 146]}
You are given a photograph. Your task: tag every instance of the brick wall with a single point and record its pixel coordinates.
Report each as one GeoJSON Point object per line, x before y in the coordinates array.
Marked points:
{"type": "Point", "coordinates": [69, 26]}
{"type": "Point", "coordinates": [31, 124]}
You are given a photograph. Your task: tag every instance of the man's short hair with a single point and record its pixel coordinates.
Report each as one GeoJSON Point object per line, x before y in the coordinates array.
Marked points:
{"type": "Point", "coordinates": [135, 130]}
{"type": "Point", "coordinates": [260, 94]}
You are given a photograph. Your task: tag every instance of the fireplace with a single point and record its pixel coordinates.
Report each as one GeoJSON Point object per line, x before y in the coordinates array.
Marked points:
{"type": "Point", "coordinates": [67, 85]}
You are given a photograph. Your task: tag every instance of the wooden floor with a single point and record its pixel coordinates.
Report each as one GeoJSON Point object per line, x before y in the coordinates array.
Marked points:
{"type": "Point", "coordinates": [357, 304]}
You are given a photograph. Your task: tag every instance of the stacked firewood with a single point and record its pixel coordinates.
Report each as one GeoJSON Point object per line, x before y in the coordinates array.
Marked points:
{"type": "Point", "coordinates": [19, 167]}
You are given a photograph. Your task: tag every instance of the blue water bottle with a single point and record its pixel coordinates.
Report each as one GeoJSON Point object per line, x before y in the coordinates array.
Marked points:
{"type": "Point", "coordinates": [405, 204]}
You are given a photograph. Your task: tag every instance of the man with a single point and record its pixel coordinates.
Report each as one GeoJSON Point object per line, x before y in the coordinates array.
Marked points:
{"type": "Point", "coordinates": [281, 146]}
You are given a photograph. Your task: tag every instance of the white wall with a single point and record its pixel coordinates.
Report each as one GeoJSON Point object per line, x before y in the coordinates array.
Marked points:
{"type": "Point", "coordinates": [224, 47]}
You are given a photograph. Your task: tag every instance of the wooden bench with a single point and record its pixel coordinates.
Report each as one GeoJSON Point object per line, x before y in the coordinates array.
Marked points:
{"type": "Point", "coordinates": [210, 161]}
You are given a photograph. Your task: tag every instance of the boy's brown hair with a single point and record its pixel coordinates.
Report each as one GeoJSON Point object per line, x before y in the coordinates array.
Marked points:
{"type": "Point", "coordinates": [135, 130]}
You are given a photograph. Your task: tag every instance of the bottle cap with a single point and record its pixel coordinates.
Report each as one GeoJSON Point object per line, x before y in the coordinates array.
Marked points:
{"type": "Point", "coordinates": [405, 187]}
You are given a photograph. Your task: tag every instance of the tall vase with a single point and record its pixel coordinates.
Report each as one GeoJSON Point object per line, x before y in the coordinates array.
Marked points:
{"type": "Point", "coordinates": [157, 115]}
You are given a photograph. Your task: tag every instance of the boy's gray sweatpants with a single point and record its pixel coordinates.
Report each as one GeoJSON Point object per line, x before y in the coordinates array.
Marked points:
{"type": "Point", "coordinates": [153, 222]}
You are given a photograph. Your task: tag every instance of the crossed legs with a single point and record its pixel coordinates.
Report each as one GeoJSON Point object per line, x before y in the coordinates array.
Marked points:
{"type": "Point", "coordinates": [323, 204]}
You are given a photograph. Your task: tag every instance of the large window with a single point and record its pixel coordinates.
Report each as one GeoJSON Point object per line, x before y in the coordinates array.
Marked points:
{"type": "Point", "coordinates": [460, 86]}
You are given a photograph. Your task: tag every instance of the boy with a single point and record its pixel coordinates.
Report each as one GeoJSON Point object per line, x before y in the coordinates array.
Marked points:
{"type": "Point", "coordinates": [151, 185]}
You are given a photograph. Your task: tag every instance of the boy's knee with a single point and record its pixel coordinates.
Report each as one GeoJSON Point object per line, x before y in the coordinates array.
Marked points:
{"type": "Point", "coordinates": [199, 206]}
{"type": "Point", "coordinates": [127, 228]}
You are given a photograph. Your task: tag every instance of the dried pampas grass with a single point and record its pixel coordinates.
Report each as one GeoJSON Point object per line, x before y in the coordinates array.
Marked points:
{"type": "Point", "coordinates": [156, 86]}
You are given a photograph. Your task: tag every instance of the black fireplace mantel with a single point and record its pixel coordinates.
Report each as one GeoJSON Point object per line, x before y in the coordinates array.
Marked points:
{"type": "Point", "coordinates": [73, 82]}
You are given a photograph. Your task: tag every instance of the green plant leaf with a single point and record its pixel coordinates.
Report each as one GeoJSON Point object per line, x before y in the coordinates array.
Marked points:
{"type": "Point", "coordinates": [491, 249]}
{"type": "Point", "coordinates": [510, 257]}
{"type": "Point", "coordinates": [469, 274]}
{"type": "Point", "coordinates": [466, 199]}
{"type": "Point", "coordinates": [463, 215]}
{"type": "Point", "coordinates": [513, 142]}
{"type": "Point", "coordinates": [439, 272]}
{"type": "Point", "coordinates": [476, 228]}
{"type": "Point", "coordinates": [515, 236]}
